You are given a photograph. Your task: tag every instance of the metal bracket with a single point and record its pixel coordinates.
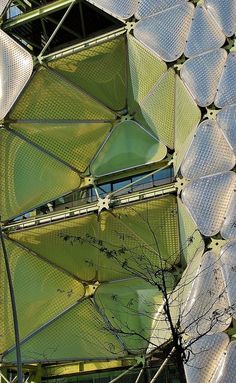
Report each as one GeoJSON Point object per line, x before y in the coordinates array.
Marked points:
{"type": "Point", "coordinates": [90, 289]}
{"type": "Point", "coordinates": [103, 203]}
{"type": "Point", "coordinates": [180, 184]}
{"type": "Point", "coordinates": [211, 114]}
{"type": "Point", "coordinates": [130, 26]}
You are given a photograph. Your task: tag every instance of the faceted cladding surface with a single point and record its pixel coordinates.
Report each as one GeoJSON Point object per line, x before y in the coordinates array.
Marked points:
{"type": "Point", "coordinates": [105, 110]}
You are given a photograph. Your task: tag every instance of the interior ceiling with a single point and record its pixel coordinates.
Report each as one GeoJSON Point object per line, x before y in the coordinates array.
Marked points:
{"type": "Point", "coordinates": [162, 87]}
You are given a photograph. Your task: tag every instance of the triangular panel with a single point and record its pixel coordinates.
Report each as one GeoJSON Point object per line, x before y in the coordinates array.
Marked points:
{"type": "Point", "coordinates": [99, 70]}
{"type": "Point", "coordinates": [74, 143]}
{"type": "Point", "coordinates": [165, 32]}
{"type": "Point", "coordinates": [15, 71]}
{"type": "Point", "coordinates": [29, 177]}
{"type": "Point", "coordinates": [48, 97]}
{"type": "Point", "coordinates": [129, 145]}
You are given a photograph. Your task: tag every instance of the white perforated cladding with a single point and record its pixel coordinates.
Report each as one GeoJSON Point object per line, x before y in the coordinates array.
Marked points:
{"type": "Point", "coordinates": [226, 94]}
{"type": "Point", "coordinates": [204, 34]}
{"type": "Point", "coordinates": [205, 355]}
{"type": "Point", "coordinates": [228, 261]}
{"type": "Point", "coordinates": [15, 70]}
{"type": "Point", "coordinates": [209, 152]}
{"type": "Point", "coordinates": [165, 32]}
{"type": "Point", "coordinates": [201, 75]}
{"type": "Point", "coordinates": [227, 372]}
{"type": "Point", "coordinates": [123, 9]}
{"type": "Point", "coordinates": [228, 229]}
{"type": "Point", "coordinates": [226, 118]}
{"type": "Point", "coordinates": [207, 199]}
{"type": "Point", "coordinates": [205, 313]}
{"type": "Point", "coordinates": [3, 4]}
{"type": "Point", "coordinates": [225, 14]}
{"type": "Point", "coordinates": [149, 7]}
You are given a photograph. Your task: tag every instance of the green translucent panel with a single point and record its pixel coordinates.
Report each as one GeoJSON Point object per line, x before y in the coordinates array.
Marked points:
{"type": "Point", "coordinates": [158, 108]}
{"type": "Point", "coordinates": [187, 116]}
{"type": "Point", "coordinates": [130, 306]}
{"type": "Point", "coordinates": [190, 238]}
{"type": "Point", "coordinates": [153, 227]}
{"type": "Point", "coordinates": [129, 145]}
{"type": "Point", "coordinates": [115, 246]}
{"type": "Point", "coordinates": [145, 69]}
{"type": "Point", "coordinates": [59, 243]}
{"type": "Point", "coordinates": [29, 177]}
{"type": "Point", "coordinates": [49, 97]}
{"type": "Point", "coordinates": [99, 70]}
{"type": "Point", "coordinates": [78, 334]}
{"type": "Point", "coordinates": [41, 292]}
{"type": "Point", "coordinates": [74, 143]}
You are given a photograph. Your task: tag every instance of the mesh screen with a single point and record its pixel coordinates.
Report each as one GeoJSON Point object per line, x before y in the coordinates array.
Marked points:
{"type": "Point", "coordinates": [41, 292]}
{"type": "Point", "coordinates": [158, 108]}
{"type": "Point", "coordinates": [205, 358]}
{"type": "Point", "coordinates": [130, 307]}
{"type": "Point", "coordinates": [224, 13]}
{"type": "Point", "coordinates": [226, 120]}
{"type": "Point", "coordinates": [203, 83]}
{"type": "Point", "coordinates": [204, 157]}
{"type": "Point", "coordinates": [149, 7]}
{"type": "Point", "coordinates": [190, 238]}
{"type": "Point", "coordinates": [78, 334]}
{"type": "Point", "coordinates": [226, 92]}
{"type": "Point", "coordinates": [187, 116]}
{"type": "Point", "coordinates": [204, 35]}
{"type": "Point", "coordinates": [128, 146]}
{"type": "Point", "coordinates": [207, 200]}
{"type": "Point", "coordinates": [29, 177]}
{"type": "Point", "coordinates": [15, 70]}
{"type": "Point", "coordinates": [123, 9]}
{"type": "Point", "coordinates": [171, 26]}
{"type": "Point", "coordinates": [49, 97]}
{"type": "Point", "coordinates": [141, 81]}
{"type": "Point", "coordinates": [208, 312]}
{"type": "Point", "coordinates": [74, 143]}
{"type": "Point", "coordinates": [100, 71]}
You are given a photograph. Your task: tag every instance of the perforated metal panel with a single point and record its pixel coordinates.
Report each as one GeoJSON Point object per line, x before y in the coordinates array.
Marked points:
{"type": "Point", "coordinates": [128, 146]}
{"type": "Point", "coordinates": [165, 32]}
{"type": "Point", "coordinates": [48, 97]}
{"type": "Point", "coordinates": [228, 261]}
{"type": "Point", "coordinates": [227, 372]}
{"type": "Point", "coordinates": [190, 238]}
{"type": "Point", "coordinates": [226, 119]}
{"type": "Point", "coordinates": [201, 75]}
{"type": "Point", "coordinates": [74, 143]}
{"type": "Point", "coordinates": [204, 34]}
{"type": "Point", "coordinates": [158, 108]}
{"type": "Point", "coordinates": [3, 4]}
{"type": "Point", "coordinates": [205, 358]}
{"type": "Point", "coordinates": [99, 70]}
{"type": "Point", "coordinates": [123, 9]}
{"type": "Point", "coordinates": [207, 200]}
{"type": "Point", "coordinates": [228, 229]}
{"type": "Point", "coordinates": [224, 13]}
{"type": "Point", "coordinates": [41, 292]}
{"type": "Point", "coordinates": [141, 81]}
{"type": "Point", "coordinates": [149, 7]}
{"type": "Point", "coordinates": [208, 312]}
{"type": "Point", "coordinates": [209, 152]}
{"type": "Point", "coordinates": [130, 307]}
{"type": "Point", "coordinates": [187, 116]}
{"type": "Point", "coordinates": [15, 70]}
{"type": "Point", "coordinates": [226, 93]}
{"type": "Point", "coordinates": [29, 177]}
{"type": "Point", "coordinates": [75, 335]}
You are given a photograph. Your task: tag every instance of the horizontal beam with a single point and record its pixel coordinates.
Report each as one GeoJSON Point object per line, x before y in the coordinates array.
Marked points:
{"type": "Point", "coordinates": [89, 208]}
{"type": "Point", "coordinates": [85, 44]}
{"type": "Point", "coordinates": [36, 13]}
